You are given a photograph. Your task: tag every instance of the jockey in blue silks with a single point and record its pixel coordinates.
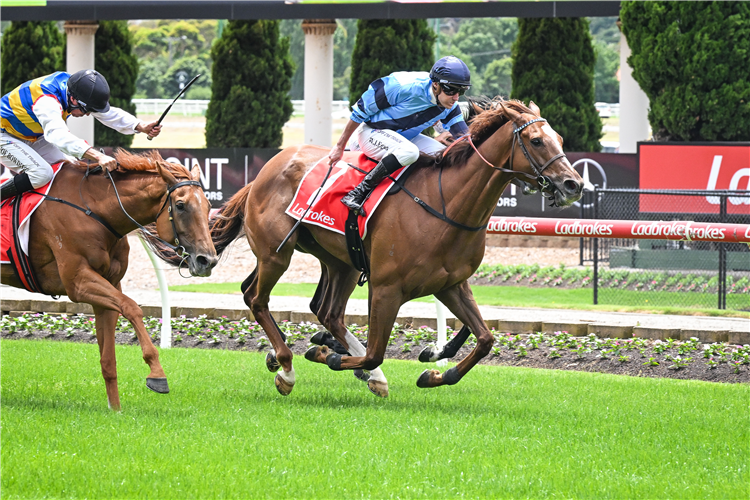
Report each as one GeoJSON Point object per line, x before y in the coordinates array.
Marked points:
{"type": "Point", "coordinates": [386, 122]}
{"type": "Point", "coordinates": [34, 133]}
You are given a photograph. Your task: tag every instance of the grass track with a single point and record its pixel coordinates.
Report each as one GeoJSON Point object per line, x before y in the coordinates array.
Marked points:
{"type": "Point", "coordinates": [224, 432]}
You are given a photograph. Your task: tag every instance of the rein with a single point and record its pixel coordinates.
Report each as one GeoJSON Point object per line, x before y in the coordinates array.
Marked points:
{"type": "Point", "coordinates": [542, 180]}
{"type": "Point", "coordinates": [177, 248]}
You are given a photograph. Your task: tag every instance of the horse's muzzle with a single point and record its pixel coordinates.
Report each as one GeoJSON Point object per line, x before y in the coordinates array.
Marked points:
{"type": "Point", "coordinates": [201, 264]}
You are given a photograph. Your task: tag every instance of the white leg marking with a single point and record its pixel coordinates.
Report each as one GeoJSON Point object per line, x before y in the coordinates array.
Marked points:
{"type": "Point", "coordinates": [357, 349]}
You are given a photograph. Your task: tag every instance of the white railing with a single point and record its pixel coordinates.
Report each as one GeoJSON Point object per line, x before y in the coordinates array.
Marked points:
{"type": "Point", "coordinates": [187, 107]}
{"type": "Point", "coordinates": [183, 107]}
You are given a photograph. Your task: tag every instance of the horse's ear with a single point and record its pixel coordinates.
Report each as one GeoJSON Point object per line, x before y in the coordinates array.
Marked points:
{"type": "Point", "coordinates": [512, 114]}
{"type": "Point", "coordinates": [163, 170]}
{"type": "Point", "coordinates": [196, 173]}
{"type": "Point", "coordinates": [533, 107]}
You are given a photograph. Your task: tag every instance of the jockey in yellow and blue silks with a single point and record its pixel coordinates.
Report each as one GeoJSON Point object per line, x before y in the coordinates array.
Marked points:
{"type": "Point", "coordinates": [34, 133]}
{"type": "Point", "coordinates": [386, 123]}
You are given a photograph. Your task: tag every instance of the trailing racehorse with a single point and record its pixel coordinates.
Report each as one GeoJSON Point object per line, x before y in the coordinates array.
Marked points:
{"type": "Point", "coordinates": [412, 253]}
{"type": "Point", "coordinates": [84, 255]}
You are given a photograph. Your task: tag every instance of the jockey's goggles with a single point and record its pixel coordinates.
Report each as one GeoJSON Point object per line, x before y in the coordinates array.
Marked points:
{"type": "Point", "coordinates": [449, 89]}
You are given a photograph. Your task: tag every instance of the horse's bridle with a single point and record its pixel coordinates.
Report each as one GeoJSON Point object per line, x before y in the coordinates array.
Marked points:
{"type": "Point", "coordinates": [542, 180]}
{"type": "Point", "coordinates": [177, 248]}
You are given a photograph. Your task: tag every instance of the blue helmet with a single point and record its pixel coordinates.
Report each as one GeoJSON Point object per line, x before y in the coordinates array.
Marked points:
{"type": "Point", "coordinates": [451, 70]}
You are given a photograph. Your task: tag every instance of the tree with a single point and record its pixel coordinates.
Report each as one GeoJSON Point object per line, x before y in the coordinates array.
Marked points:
{"type": "Point", "coordinates": [30, 49]}
{"type": "Point", "coordinates": [181, 72]}
{"type": "Point", "coordinates": [606, 85]}
{"type": "Point", "coordinates": [485, 40]}
{"type": "Point", "coordinates": [385, 46]}
{"type": "Point", "coordinates": [115, 60]}
{"type": "Point", "coordinates": [252, 74]}
{"type": "Point", "coordinates": [497, 78]}
{"type": "Point", "coordinates": [554, 67]}
{"type": "Point", "coordinates": [292, 29]}
{"type": "Point", "coordinates": [692, 59]}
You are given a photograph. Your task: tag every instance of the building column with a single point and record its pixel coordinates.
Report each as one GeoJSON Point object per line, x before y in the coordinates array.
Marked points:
{"type": "Point", "coordinates": [634, 105]}
{"type": "Point", "coordinates": [318, 80]}
{"type": "Point", "coordinates": [80, 55]}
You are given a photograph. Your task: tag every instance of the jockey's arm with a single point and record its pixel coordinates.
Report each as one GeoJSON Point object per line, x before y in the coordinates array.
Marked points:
{"type": "Point", "coordinates": [125, 123]}
{"type": "Point", "coordinates": [338, 150]}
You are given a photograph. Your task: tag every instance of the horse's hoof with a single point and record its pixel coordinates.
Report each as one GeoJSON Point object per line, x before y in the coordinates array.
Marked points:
{"type": "Point", "coordinates": [317, 354]}
{"type": "Point", "coordinates": [361, 375]}
{"type": "Point", "coordinates": [320, 337]}
{"type": "Point", "coordinates": [159, 385]}
{"type": "Point", "coordinates": [426, 380]}
{"type": "Point", "coordinates": [429, 355]}
{"type": "Point", "coordinates": [271, 363]}
{"type": "Point", "coordinates": [282, 385]}
{"type": "Point", "coordinates": [378, 388]}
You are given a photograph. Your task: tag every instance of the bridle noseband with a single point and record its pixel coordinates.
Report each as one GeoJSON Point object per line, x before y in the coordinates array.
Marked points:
{"type": "Point", "coordinates": [542, 180]}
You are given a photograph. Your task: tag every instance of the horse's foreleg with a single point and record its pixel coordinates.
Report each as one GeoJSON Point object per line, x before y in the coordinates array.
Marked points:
{"type": "Point", "coordinates": [430, 354]}
{"type": "Point", "coordinates": [383, 313]}
{"type": "Point", "coordinates": [331, 306]}
{"type": "Point", "coordinates": [460, 301]}
{"type": "Point", "coordinates": [106, 321]}
{"type": "Point", "coordinates": [256, 296]}
{"type": "Point", "coordinates": [87, 286]}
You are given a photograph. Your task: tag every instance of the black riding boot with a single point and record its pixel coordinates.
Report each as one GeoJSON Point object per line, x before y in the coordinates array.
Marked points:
{"type": "Point", "coordinates": [17, 184]}
{"type": "Point", "coordinates": [356, 197]}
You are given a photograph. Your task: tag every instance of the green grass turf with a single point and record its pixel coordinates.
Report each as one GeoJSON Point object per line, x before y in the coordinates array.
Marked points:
{"type": "Point", "coordinates": [558, 298]}
{"type": "Point", "coordinates": [224, 432]}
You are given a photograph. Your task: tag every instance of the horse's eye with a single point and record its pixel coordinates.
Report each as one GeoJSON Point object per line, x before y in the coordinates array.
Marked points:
{"type": "Point", "coordinates": [180, 205]}
{"type": "Point", "coordinates": [536, 141]}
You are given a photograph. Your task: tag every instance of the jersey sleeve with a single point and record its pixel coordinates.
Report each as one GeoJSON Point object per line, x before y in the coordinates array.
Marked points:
{"type": "Point", "coordinates": [56, 131]}
{"type": "Point", "coordinates": [118, 119]}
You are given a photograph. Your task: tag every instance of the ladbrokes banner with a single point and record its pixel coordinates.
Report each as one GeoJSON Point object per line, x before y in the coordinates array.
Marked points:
{"type": "Point", "coordinates": [708, 166]}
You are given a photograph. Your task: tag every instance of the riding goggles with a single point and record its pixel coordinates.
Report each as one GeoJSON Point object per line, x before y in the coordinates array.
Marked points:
{"type": "Point", "coordinates": [449, 89]}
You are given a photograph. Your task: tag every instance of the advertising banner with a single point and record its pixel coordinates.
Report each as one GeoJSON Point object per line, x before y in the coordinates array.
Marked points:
{"type": "Point", "coordinates": [224, 171]}
{"type": "Point", "coordinates": [701, 166]}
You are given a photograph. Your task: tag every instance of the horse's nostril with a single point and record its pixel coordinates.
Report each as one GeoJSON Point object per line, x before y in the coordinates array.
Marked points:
{"type": "Point", "coordinates": [572, 186]}
{"type": "Point", "coordinates": [201, 261]}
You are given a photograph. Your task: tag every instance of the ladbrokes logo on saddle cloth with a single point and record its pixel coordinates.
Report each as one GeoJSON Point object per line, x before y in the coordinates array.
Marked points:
{"type": "Point", "coordinates": [327, 210]}
{"type": "Point", "coordinates": [29, 203]}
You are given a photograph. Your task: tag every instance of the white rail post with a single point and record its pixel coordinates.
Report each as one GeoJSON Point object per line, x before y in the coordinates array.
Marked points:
{"type": "Point", "coordinates": [442, 330]}
{"type": "Point", "coordinates": [166, 311]}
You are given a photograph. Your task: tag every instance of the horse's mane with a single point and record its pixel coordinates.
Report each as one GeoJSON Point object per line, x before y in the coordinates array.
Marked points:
{"type": "Point", "coordinates": [146, 162]}
{"type": "Point", "coordinates": [485, 117]}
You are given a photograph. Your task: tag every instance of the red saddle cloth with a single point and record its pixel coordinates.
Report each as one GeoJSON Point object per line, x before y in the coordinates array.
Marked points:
{"type": "Point", "coordinates": [29, 203]}
{"type": "Point", "coordinates": [327, 210]}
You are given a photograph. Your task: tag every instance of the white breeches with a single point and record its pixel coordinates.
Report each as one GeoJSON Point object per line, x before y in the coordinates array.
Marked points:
{"type": "Point", "coordinates": [378, 143]}
{"type": "Point", "coordinates": [34, 158]}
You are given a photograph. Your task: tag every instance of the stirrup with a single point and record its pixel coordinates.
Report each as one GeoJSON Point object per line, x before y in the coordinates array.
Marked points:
{"type": "Point", "coordinates": [358, 209]}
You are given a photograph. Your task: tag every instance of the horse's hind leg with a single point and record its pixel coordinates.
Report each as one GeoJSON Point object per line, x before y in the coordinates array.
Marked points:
{"type": "Point", "coordinates": [257, 291]}
{"type": "Point", "coordinates": [106, 322]}
{"type": "Point", "coordinates": [460, 301]}
{"type": "Point", "coordinates": [430, 354]}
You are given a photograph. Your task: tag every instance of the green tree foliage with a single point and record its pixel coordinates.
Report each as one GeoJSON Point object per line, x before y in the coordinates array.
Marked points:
{"type": "Point", "coordinates": [115, 60]}
{"type": "Point", "coordinates": [497, 78]}
{"type": "Point", "coordinates": [252, 75]}
{"type": "Point", "coordinates": [485, 40]}
{"type": "Point", "coordinates": [606, 37]}
{"type": "Point", "coordinates": [166, 48]}
{"type": "Point", "coordinates": [554, 67]}
{"type": "Point", "coordinates": [385, 46]}
{"type": "Point", "coordinates": [692, 59]}
{"type": "Point", "coordinates": [292, 29]}
{"type": "Point", "coordinates": [30, 49]}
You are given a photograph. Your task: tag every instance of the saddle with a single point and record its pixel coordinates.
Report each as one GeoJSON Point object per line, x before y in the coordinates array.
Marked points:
{"type": "Point", "coordinates": [15, 214]}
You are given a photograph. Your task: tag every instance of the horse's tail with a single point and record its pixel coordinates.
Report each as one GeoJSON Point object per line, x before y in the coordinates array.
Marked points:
{"type": "Point", "coordinates": [226, 226]}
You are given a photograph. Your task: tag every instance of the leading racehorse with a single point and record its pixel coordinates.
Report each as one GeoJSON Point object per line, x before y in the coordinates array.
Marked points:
{"type": "Point", "coordinates": [412, 253]}
{"type": "Point", "coordinates": [85, 256]}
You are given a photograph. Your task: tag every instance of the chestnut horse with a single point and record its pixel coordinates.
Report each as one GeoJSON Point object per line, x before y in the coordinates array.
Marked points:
{"type": "Point", "coordinates": [412, 253]}
{"type": "Point", "coordinates": [73, 254]}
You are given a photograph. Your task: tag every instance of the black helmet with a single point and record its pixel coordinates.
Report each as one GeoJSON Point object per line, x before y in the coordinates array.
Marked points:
{"type": "Point", "coordinates": [91, 91]}
{"type": "Point", "coordinates": [451, 70]}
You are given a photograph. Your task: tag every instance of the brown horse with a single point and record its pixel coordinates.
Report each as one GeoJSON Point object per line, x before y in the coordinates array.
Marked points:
{"type": "Point", "coordinates": [75, 255]}
{"type": "Point", "coordinates": [412, 253]}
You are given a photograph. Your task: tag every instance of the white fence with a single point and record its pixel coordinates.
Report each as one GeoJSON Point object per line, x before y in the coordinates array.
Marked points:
{"type": "Point", "coordinates": [187, 107]}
